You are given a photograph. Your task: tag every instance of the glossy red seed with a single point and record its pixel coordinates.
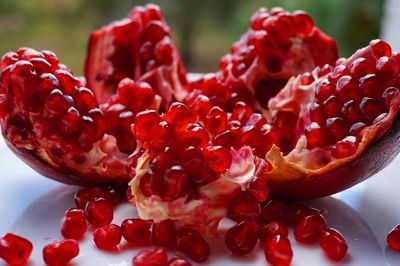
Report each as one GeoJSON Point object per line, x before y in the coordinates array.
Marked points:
{"type": "Point", "coordinates": [317, 113]}
{"type": "Point", "coordinates": [74, 224]}
{"type": "Point", "coordinates": [337, 128]}
{"type": "Point", "coordinates": [361, 67]}
{"type": "Point", "coordinates": [217, 158]}
{"type": "Point", "coordinates": [309, 228]}
{"type": "Point", "coordinates": [351, 111]}
{"type": "Point", "coordinates": [60, 253]}
{"type": "Point", "coordinates": [195, 135]}
{"type": "Point", "coordinates": [316, 136]}
{"type": "Point", "coordinates": [137, 231]}
{"type": "Point", "coordinates": [243, 207]}
{"type": "Point", "coordinates": [323, 90]}
{"type": "Point", "coordinates": [347, 88]}
{"type": "Point", "coordinates": [191, 243]}
{"type": "Point", "coordinates": [370, 86]}
{"type": "Point", "coordinates": [151, 184]}
{"type": "Point", "coordinates": [175, 183]}
{"type": "Point", "coordinates": [380, 48]}
{"type": "Point", "coordinates": [14, 249]}
{"type": "Point", "coordinates": [146, 123]}
{"type": "Point", "coordinates": [333, 244]}
{"type": "Point", "coordinates": [216, 120]}
{"type": "Point", "coordinates": [389, 94]}
{"type": "Point", "coordinates": [107, 237]}
{"type": "Point", "coordinates": [178, 115]}
{"type": "Point", "coordinates": [157, 257]}
{"type": "Point", "coordinates": [178, 262]}
{"type": "Point", "coordinates": [273, 210]}
{"type": "Point", "coordinates": [83, 196]}
{"type": "Point", "coordinates": [296, 212]}
{"type": "Point", "coordinates": [270, 230]}
{"type": "Point", "coordinates": [370, 109]}
{"type": "Point", "coordinates": [259, 189]}
{"type": "Point", "coordinates": [164, 233]}
{"type": "Point", "coordinates": [387, 67]}
{"type": "Point", "coordinates": [393, 238]}
{"type": "Point", "coordinates": [278, 251]}
{"type": "Point", "coordinates": [356, 128]}
{"type": "Point", "coordinates": [344, 148]}
{"type": "Point", "coordinates": [242, 238]}
{"type": "Point", "coordinates": [332, 106]}
{"type": "Point", "coordinates": [241, 112]}
{"type": "Point", "coordinates": [99, 212]}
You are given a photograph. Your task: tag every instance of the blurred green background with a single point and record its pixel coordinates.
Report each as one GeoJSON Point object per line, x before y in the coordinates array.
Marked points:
{"type": "Point", "coordinates": [204, 30]}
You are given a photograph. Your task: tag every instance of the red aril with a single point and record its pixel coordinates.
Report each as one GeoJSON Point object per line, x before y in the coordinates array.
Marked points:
{"type": "Point", "coordinates": [393, 238]}
{"type": "Point", "coordinates": [191, 243]}
{"type": "Point", "coordinates": [137, 231]}
{"type": "Point", "coordinates": [333, 244]}
{"type": "Point", "coordinates": [243, 207]}
{"type": "Point", "coordinates": [107, 237]}
{"type": "Point", "coordinates": [178, 262]}
{"type": "Point", "coordinates": [74, 225]}
{"type": "Point", "coordinates": [164, 233]}
{"type": "Point", "coordinates": [99, 212]}
{"type": "Point", "coordinates": [14, 249]}
{"type": "Point", "coordinates": [60, 253]}
{"type": "Point", "coordinates": [309, 228]}
{"type": "Point", "coordinates": [242, 238]}
{"type": "Point", "coordinates": [278, 250]}
{"type": "Point", "coordinates": [298, 211]}
{"type": "Point", "coordinates": [157, 257]}
{"type": "Point", "coordinates": [273, 210]}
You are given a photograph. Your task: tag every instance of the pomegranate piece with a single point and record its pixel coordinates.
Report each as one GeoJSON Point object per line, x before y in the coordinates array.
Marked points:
{"type": "Point", "coordinates": [107, 237]}
{"type": "Point", "coordinates": [60, 253]}
{"type": "Point", "coordinates": [296, 212]}
{"type": "Point", "coordinates": [341, 126]}
{"type": "Point", "coordinates": [273, 210]}
{"type": "Point", "coordinates": [142, 49]}
{"type": "Point", "coordinates": [99, 212]}
{"type": "Point", "coordinates": [309, 228]}
{"type": "Point", "coordinates": [53, 123]}
{"type": "Point", "coordinates": [393, 238]}
{"type": "Point", "coordinates": [157, 257]}
{"type": "Point", "coordinates": [137, 231]}
{"type": "Point", "coordinates": [333, 244]}
{"type": "Point", "coordinates": [243, 207]}
{"type": "Point", "coordinates": [178, 262]}
{"type": "Point", "coordinates": [191, 243]}
{"type": "Point", "coordinates": [74, 224]}
{"type": "Point", "coordinates": [242, 238]}
{"type": "Point", "coordinates": [270, 230]}
{"type": "Point", "coordinates": [14, 249]}
{"type": "Point", "coordinates": [164, 233]}
{"type": "Point", "coordinates": [278, 250]}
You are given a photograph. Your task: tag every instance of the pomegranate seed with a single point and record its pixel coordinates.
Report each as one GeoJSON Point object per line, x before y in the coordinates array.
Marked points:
{"type": "Point", "coordinates": [157, 257]}
{"type": "Point", "coordinates": [74, 224]}
{"type": "Point", "coordinates": [370, 108]}
{"type": "Point", "coordinates": [387, 67]}
{"type": "Point", "coordinates": [164, 233]}
{"type": "Point", "coordinates": [14, 249]}
{"type": "Point", "coordinates": [146, 123]}
{"type": "Point", "coordinates": [175, 183]}
{"type": "Point", "coordinates": [216, 121]}
{"type": "Point", "coordinates": [333, 244]}
{"type": "Point", "coordinates": [178, 262]}
{"type": "Point", "coordinates": [303, 22]}
{"type": "Point", "coordinates": [393, 238]}
{"type": "Point", "coordinates": [191, 243]}
{"type": "Point", "coordinates": [242, 238]}
{"type": "Point", "coordinates": [332, 106]}
{"type": "Point", "coordinates": [337, 128]}
{"type": "Point", "coordinates": [259, 189]}
{"type": "Point", "coordinates": [60, 253]}
{"type": "Point", "coordinates": [323, 90]}
{"type": "Point", "coordinates": [316, 136]}
{"type": "Point", "coordinates": [269, 230]}
{"type": "Point", "coordinates": [107, 237]}
{"type": "Point", "coordinates": [297, 212]}
{"type": "Point", "coordinates": [278, 250]}
{"type": "Point", "coordinates": [82, 197]}
{"type": "Point", "coordinates": [99, 212]}
{"type": "Point", "coordinates": [243, 207]}
{"type": "Point", "coordinates": [273, 210]}
{"type": "Point", "coordinates": [178, 115]}
{"type": "Point", "coordinates": [309, 228]}
{"type": "Point", "coordinates": [137, 231]}
{"type": "Point", "coordinates": [380, 48]}
{"type": "Point", "coordinates": [361, 67]}
{"type": "Point", "coordinates": [218, 158]}
{"type": "Point", "coordinates": [346, 147]}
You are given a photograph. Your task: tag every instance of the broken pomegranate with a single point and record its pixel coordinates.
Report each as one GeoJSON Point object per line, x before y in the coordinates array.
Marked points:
{"type": "Point", "coordinates": [14, 249]}
{"type": "Point", "coordinates": [139, 47]}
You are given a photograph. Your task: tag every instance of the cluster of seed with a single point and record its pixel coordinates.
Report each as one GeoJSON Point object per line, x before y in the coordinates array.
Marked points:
{"type": "Point", "coordinates": [269, 223]}
{"type": "Point", "coordinates": [40, 85]}
{"type": "Point", "coordinates": [130, 98]}
{"type": "Point", "coordinates": [352, 96]}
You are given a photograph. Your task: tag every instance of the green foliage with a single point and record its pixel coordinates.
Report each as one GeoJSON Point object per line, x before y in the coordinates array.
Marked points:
{"type": "Point", "coordinates": [204, 30]}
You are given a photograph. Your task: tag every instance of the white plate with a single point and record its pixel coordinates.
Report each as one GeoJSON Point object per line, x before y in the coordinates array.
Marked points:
{"type": "Point", "coordinates": [33, 206]}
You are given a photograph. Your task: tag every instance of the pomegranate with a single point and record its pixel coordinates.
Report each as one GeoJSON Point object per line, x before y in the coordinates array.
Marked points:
{"type": "Point", "coordinates": [139, 47]}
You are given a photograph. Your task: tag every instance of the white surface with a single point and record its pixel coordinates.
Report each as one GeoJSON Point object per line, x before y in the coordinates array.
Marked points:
{"type": "Point", "coordinates": [33, 206]}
